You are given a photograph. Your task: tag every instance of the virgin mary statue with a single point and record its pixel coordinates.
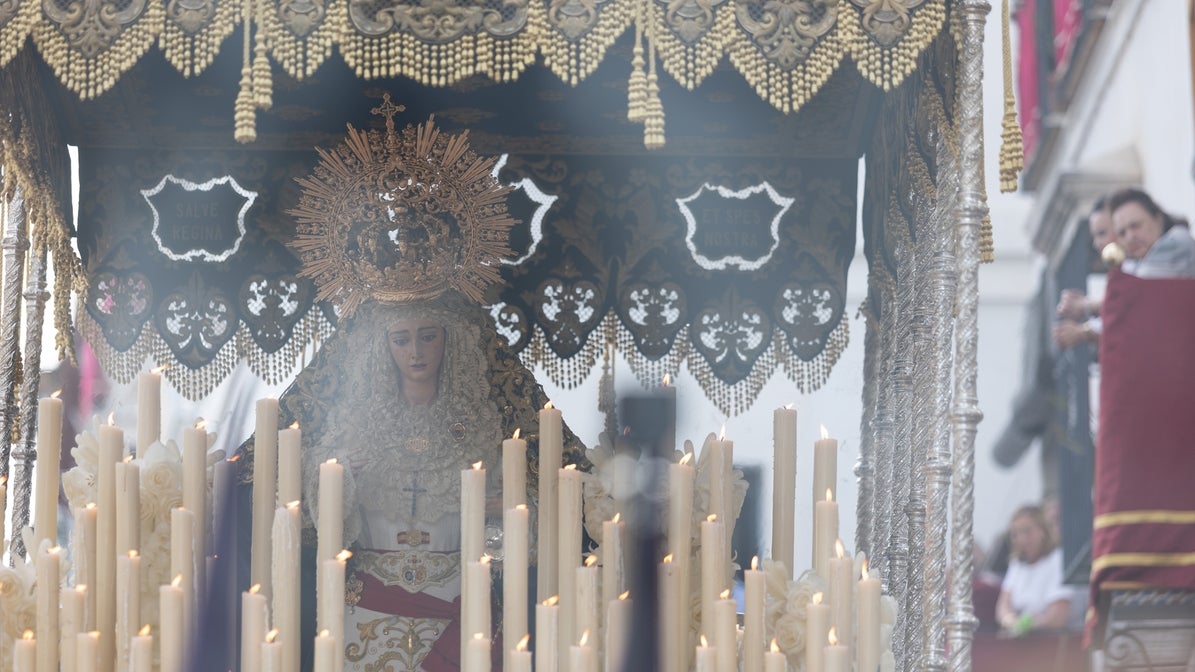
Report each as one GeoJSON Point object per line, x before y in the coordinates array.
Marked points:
{"type": "Point", "coordinates": [403, 231]}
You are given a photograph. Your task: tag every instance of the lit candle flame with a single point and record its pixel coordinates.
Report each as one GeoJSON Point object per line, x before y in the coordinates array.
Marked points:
{"type": "Point", "coordinates": [159, 369]}
{"type": "Point", "coordinates": [55, 394]}
{"type": "Point", "coordinates": [3, 480]}
{"type": "Point", "coordinates": [754, 562]}
{"type": "Point", "coordinates": [829, 495]}
{"type": "Point", "coordinates": [712, 518]}
{"type": "Point", "coordinates": [832, 636]}
{"type": "Point", "coordinates": [477, 465]}
{"type": "Point", "coordinates": [590, 560]}
{"type": "Point", "coordinates": [89, 505]}
{"type": "Point", "coordinates": [255, 589]}
{"type": "Point", "coordinates": [617, 517]}
{"type": "Point", "coordinates": [686, 458]}
{"type": "Point", "coordinates": [293, 504]}
{"type": "Point", "coordinates": [128, 459]}
{"type": "Point", "coordinates": [825, 432]}
{"type": "Point", "coordinates": [144, 631]}
{"type": "Point", "coordinates": [133, 553]}
{"type": "Point", "coordinates": [774, 648]}
{"type": "Point", "coordinates": [236, 457]}
{"type": "Point", "coordinates": [294, 425]}
{"type": "Point", "coordinates": [200, 423]}
{"type": "Point", "coordinates": [584, 638]}
{"type": "Point", "coordinates": [344, 555]}
{"type": "Point", "coordinates": [521, 507]}
{"type": "Point", "coordinates": [27, 635]}
{"type": "Point", "coordinates": [725, 595]}
{"type": "Point", "coordinates": [668, 558]}
{"type": "Point", "coordinates": [548, 406]}
{"type": "Point", "coordinates": [54, 549]}
{"type": "Point", "coordinates": [522, 645]}
{"type": "Point", "coordinates": [839, 550]}
{"type": "Point", "coordinates": [177, 580]}
{"type": "Point", "coordinates": [705, 643]}
{"type": "Point", "coordinates": [485, 559]}
{"type": "Point", "coordinates": [817, 598]}
{"type": "Point", "coordinates": [325, 633]}
{"type": "Point", "coordinates": [331, 461]}
{"type": "Point", "coordinates": [624, 595]}
{"type": "Point", "coordinates": [112, 419]}
{"type": "Point", "coordinates": [552, 601]}
{"type": "Point", "coordinates": [516, 434]}
{"type": "Point", "coordinates": [864, 574]}
{"type": "Point", "coordinates": [667, 379]}
{"type": "Point", "coordinates": [272, 635]}
{"type": "Point", "coordinates": [81, 588]}
{"type": "Point", "coordinates": [789, 405]}
{"type": "Point", "coordinates": [570, 467]}
{"type": "Point", "coordinates": [722, 434]}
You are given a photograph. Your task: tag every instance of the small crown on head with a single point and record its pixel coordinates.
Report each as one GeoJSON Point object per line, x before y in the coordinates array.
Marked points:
{"type": "Point", "coordinates": [401, 216]}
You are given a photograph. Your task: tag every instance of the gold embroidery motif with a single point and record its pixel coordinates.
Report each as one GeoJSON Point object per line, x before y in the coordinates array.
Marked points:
{"type": "Point", "coordinates": [413, 571]}
{"type": "Point", "coordinates": [394, 642]}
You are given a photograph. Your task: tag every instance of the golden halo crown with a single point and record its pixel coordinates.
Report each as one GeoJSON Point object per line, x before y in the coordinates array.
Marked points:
{"type": "Point", "coordinates": [401, 216]}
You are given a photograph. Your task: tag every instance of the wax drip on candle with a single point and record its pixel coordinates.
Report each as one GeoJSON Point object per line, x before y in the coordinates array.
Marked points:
{"type": "Point", "coordinates": [552, 601]}
{"type": "Point", "coordinates": [838, 548]}
{"type": "Point", "coordinates": [271, 636]}
{"type": "Point", "coordinates": [624, 595]}
{"type": "Point", "coordinates": [517, 430]}
{"type": "Point", "coordinates": [817, 598]}
{"type": "Point", "coordinates": [523, 643]}
{"type": "Point", "coordinates": [255, 589]}
{"type": "Point", "coordinates": [344, 555]}
{"type": "Point", "coordinates": [832, 636]}
{"type": "Point", "coordinates": [591, 560]}
{"type": "Point", "coordinates": [774, 648]}
{"type": "Point", "coordinates": [144, 631]}
{"type": "Point", "coordinates": [584, 638]}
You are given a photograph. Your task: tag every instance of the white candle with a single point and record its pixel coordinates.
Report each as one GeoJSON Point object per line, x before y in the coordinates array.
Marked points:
{"type": "Point", "coordinates": [817, 625]}
{"type": "Point", "coordinates": [717, 503]}
{"type": "Point", "coordinates": [754, 590]}
{"type": "Point", "coordinates": [673, 618]}
{"type": "Point", "coordinates": [195, 497]}
{"type": "Point", "coordinates": [725, 639]}
{"type": "Point", "coordinates": [87, 645]}
{"type": "Point", "coordinates": [330, 526]}
{"type": "Point", "coordinates": [825, 531]}
{"type": "Point", "coordinates": [182, 564]}
{"type": "Point", "coordinates": [149, 410]}
{"type": "Point", "coordinates": [475, 610]}
{"type": "Point", "coordinates": [784, 486]}
{"type": "Point", "coordinates": [111, 450]}
{"type": "Point", "coordinates": [868, 637]}
{"type": "Point", "coordinates": [568, 554]}
{"type": "Point", "coordinates": [547, 631]}
{"type": "Point", "coordinates": [254, 615]}
{"type": "Point", "coordinates": [551, 447]}
{"type": "Point", "coordinates": [128, 506]}
{"type": "Point", "coordinates": [271, 653]}
{"type": "Point", "coordinates": [837, 656]}
{"type": "Point", "coordinates": [825, 466]}
{"type": "Point", "coordinates": [520, 657]}
{"type": "Point", "coordinates": [48, 565]}
{"type": "Point", "coordinates": [141, 651]}
{"type": "Point", "coordinates": [619, 613]}
{"type": "Point", "coordinates": [472, 512]}
{"type": "Point", "coordinates": [712, 574]}
{"type": "Point", "coordinates": [290, 486]}
{"type": "Point", "coordinates": [706, 656]}
{"type": "Point", "coordinates": [287, 584]}
{"type": "Point", "coordinates": [583, 657]}
{"type": "Point", "coordinates": [774, 661]}
{"type": "Point", "coordinates": [325, 652]}
{"type": "Point", "coordinates": [330, 596]}
{"type": "Point", "coordinates": [585, 613]}
{"type": "Point", "coordinates": [83, 555]}
{"type": "Point", "coordinates": [514, 472]}
{"type": "Point", "coordinates": [170, 624]}
{"type": "Point", "coordinates": [128, 604]}
{"type": "Point", "coordinates": [477, 653]}
{"type": "Point", "coordinates": [47, 466]}
{"type": "Point", "coordinates": [72, 624]}
{"type": "Point", "coordinates": [842, 594]}
{"type": "Point", "coordinates": [24, 653]}
{"type": "Point", "coordinates": [515, 526]}
{"type": "Point", "coordinates": [680, 508]}
{"type": "Point", "coordinates": [611, 550]}
{"type": "Point", "coordinates": [265, 474]}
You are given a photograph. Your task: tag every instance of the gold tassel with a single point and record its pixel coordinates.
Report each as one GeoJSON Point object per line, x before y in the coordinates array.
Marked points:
{"type": "Point", "coordinates": [637, 87]}
{"type": "Point", "coordinates": [263, 84]}
{"type": "Point", "coordinates": [1012, 148]}
{"type": "Point", "coordinates": [653, 121]}
{"type": "Point", "coordinates": [987, 246]}
{"type": "Point", "coordinates": [244, 116]}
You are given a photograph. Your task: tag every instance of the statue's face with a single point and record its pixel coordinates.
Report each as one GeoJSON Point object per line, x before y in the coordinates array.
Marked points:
{"type": "Point", "coordinates": [417, 347]}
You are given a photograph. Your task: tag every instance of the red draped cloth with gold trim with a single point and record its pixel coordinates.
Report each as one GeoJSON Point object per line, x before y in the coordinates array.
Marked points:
{"type": "Point", "coordinates": [1144, 529]}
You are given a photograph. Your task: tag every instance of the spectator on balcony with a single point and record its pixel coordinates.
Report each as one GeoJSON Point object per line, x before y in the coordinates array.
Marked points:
{"type": "Point", "coordinates": [1033, 596]}
{"type": "Point", "coordinates": [1079, 314]}
{"type": "Point", "coordinates": [1155, 243]}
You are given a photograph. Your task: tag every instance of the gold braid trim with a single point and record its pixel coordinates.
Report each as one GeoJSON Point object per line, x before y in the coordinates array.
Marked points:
{"type": "Point", "coordinates": [575, 58]}
{"type": "Point", "coordinates": [17, 28]}
{"type": "Point", "coordinates": [191, 41]}
{"type": "Point", "coordinates": [1012, 145]}
{"type": "Point", "coordinates": [862, 33]}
